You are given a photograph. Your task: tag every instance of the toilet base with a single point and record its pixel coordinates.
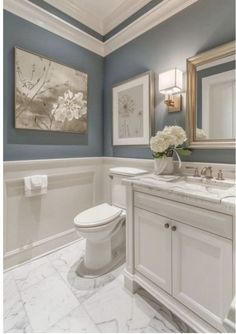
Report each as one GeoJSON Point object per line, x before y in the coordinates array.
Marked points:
{"type": "Point", "coordinates": [117, 259]}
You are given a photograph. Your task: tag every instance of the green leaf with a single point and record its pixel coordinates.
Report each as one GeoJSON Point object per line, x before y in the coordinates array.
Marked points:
{"type": "Point", "coordinates": [184, 151]}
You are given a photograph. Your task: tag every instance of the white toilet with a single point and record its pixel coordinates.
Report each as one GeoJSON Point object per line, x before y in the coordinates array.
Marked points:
{"type": "Point", "coordinates": [103, 227]}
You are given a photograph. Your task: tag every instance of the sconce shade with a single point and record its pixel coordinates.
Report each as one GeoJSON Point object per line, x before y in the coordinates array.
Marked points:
{"type": "Point", "coordinates": [171, 82]}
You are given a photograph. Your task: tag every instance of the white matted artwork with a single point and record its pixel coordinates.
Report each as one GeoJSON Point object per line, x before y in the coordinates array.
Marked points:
{"type": "Point", "coordinates": [132, 108]}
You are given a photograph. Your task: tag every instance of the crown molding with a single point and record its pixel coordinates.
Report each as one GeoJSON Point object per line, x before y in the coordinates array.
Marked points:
{"type": "Point", "coordinates": [42, 18]}
{"type": "Point", "coordinates": [121, 13]}
{"type": "Point", "coordinates": [152, 18]}
{"type": "Point", "coordinates": [36, 15]}
{"type": "Point", "coordinates": [72, 9]}
{"type": "Point", "coordinates": [102, 26]}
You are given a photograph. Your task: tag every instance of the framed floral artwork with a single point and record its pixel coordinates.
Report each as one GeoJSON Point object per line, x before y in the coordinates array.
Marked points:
{"type": "Point", "coordinates": [49, 96]}
{"type": "Point", "coordinates": [132, 110]}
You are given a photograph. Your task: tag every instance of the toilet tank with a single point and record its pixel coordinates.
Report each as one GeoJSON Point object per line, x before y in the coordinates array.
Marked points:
{"type": "Point", "coordinates": [118, 190]}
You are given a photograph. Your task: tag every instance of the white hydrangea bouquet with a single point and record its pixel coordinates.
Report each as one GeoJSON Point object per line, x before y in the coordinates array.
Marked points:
{"type": "Point", "coordinates": [164, 144]}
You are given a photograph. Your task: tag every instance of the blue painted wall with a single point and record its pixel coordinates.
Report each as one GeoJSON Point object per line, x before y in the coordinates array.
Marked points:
{"type": "Point", "coordinates": [26, 144]}
{"type": "Point", "coordinates": [202, 26]}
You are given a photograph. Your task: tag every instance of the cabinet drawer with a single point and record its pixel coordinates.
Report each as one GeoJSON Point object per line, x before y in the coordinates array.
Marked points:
{"type": "Point", "coordinates": [207, 220]}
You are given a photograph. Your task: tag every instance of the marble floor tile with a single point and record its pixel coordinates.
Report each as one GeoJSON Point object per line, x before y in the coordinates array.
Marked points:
{"type": "Point", "coordinates": [47, 302]}
{"type": "Point", "coordinates": [15, 318]}
{"type": "Point", "coordinates": [47, 295]}
{"type": "Point", "coordinates": [115, 310]}
{"type": "Point", "coordinates": [164, 315]}
{"type": "Point", "coordinates": [33, 272]}
{"type": "Point", "coordinates": [65, 258]}
{"type": "Point", "coordinates": [76, 321]}
{"type": "Point", "coordinates": [10, 291]}
{"type": "Point", "coordinates": [84, 288]}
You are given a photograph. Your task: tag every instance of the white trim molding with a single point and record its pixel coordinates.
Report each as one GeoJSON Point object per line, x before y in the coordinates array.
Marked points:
{"type": "Point", "coordinates": [152, 18]}
{"type": "Point", "coordinates": [73, 9]}
{"type": "Point", "coordinates": [39, 248]}
{"type": "Point", "coordinates": [93, 21]}
{"type": "Point", "coordinates": [123, 12]}
{"type": "Point", "coordinates": [36, 225]}
{"type": "Point", "coordinates": [56, 25]}
{"type": "Point", "coordinates": [73, 185]}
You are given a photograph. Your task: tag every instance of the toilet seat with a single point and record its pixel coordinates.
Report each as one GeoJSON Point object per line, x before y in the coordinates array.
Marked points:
{"type": "Point", "coordinates": [97, 216]}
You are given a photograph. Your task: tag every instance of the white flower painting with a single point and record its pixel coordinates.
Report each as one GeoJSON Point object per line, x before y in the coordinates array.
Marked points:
{"type": "Point", "coordinates": [132, 108]}
{"type": "Point", "coordinates": [48, 95]}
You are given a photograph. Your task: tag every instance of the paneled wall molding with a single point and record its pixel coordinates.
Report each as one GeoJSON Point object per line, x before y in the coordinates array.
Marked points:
{"type": "Point", "coordinates": [39, 248]}
{"type": "Point", "coordinates": [56, 25]}
{"type": "Point", "coordinates": [21, 165]}
{"type": "Point", "coordinates": [36, 225]}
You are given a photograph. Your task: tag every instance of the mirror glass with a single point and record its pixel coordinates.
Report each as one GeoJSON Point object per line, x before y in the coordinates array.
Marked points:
{"type": "Point", "coordinates": [215, 100]}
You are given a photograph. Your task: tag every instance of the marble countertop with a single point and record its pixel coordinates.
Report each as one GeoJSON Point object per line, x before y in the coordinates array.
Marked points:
{"type": "Point", "coordinates": [186, 189]}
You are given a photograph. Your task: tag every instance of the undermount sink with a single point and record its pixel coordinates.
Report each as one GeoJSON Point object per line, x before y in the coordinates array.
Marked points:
{"type": "Point", "coordinates": [225, 184]}
{"type": "Point", "coordinates": [210, 188]}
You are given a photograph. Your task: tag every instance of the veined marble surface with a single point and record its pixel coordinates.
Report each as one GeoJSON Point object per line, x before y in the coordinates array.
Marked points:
{"type": "Point", "coordinates": [185, 188]}
{"type": "Point", "coordinates": [46, 295]}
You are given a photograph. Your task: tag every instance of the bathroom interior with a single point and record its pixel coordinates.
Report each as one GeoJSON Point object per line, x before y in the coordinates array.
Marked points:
{"type": "Point", "coordinates": [119, 187]}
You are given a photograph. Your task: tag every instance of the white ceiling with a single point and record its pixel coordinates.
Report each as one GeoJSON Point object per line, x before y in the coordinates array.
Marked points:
{"type": "Point", "coordinates": [100, 15]}
{"type": "Point", "coordinates": [99, 8]}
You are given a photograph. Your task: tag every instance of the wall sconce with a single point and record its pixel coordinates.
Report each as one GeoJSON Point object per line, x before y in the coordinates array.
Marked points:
{"type": "Point", "coordinates": [170, 83]}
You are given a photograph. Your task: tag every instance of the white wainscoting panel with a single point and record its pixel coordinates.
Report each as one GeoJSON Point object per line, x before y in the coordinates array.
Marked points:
{"type": "Point", "coordinates": [35, 225]}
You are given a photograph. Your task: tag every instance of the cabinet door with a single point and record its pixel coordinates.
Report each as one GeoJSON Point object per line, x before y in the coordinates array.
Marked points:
{"type": "Point", "coordinates": [153, 247]}
{"type": "Point", "coordinates": [202, 272]}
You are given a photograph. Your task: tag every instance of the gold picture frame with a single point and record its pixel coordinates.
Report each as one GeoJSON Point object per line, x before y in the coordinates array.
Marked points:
{"type": "Point", "coordinates": [217, 53]}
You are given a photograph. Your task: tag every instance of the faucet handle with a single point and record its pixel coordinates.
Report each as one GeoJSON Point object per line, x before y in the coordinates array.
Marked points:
{"type": "Point", "coordinates": [220, 175]}
{"type": "Point", "coordinates": [196, 172]}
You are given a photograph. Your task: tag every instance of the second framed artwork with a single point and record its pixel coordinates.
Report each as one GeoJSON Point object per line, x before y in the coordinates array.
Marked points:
{"type": "Point", "coordinates": [133, 107]}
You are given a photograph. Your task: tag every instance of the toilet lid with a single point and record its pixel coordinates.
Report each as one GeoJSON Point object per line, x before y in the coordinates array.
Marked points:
{"type": "Point", "coordinates": [97, 215]}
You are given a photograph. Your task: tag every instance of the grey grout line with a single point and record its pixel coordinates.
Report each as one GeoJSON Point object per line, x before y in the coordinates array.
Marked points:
{"type": "Point", "coordinates": [91, 318]}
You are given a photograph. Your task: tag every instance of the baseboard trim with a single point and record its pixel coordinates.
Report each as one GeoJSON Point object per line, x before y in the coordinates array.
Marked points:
{"type": "Point", "coordinates": [39, 248]}
{"type": "Point", "coordinates": [196, 323]}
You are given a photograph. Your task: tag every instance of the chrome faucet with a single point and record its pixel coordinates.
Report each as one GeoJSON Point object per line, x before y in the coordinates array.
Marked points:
{"type": "Point", "coordinates": [207, 172]}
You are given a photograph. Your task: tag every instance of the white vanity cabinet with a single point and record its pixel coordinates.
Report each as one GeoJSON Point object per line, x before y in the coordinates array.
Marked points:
{"type": "Point", "coordinates": [202, 272]}
{"type": "Point", "coordinates": [184, 251]}
{"type": "Point", "coordinates": [152, 237]}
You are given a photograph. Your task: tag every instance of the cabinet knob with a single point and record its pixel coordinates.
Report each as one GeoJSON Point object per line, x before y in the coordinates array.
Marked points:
{"type": "Point", "coordinates": [167, 225]}
{"type": "Point", "coordinates": [173, 228]}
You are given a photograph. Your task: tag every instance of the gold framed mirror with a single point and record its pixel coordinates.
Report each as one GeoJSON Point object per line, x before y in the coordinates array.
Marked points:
{"type": "Point", "coordinates": [211, 106]}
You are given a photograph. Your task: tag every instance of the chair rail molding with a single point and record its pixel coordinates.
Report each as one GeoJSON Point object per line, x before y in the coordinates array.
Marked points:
{"type": "Point", "coordinates": [36, 225]}
{"type": "Point", "coordinates": [56, 25]}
